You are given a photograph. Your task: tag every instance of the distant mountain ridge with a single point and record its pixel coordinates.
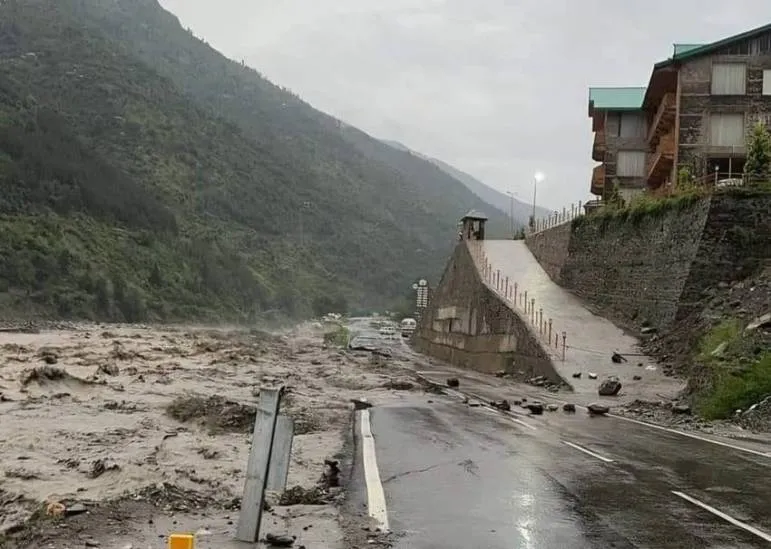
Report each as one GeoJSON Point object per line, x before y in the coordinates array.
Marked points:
{"type": "Point", "coordinates": [146, 176]}
{"type": "Point", "coordinates": [496, 199]}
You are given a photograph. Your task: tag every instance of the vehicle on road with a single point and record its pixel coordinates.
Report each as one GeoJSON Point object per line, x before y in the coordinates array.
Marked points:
{"type": "Point", "coordinates": [408, 326]}
{"type": "Point", "coordinates": [387, 331]}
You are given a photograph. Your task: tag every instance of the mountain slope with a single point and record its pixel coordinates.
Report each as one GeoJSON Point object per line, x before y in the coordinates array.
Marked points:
{"type": "Point", "coordinates": [498, 200]}
{"type": "Point", "coordinates": [147, 174]}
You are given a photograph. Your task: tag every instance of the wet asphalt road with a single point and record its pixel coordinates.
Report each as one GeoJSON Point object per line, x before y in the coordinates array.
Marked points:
{"type": "Point", "coordinates": [469, 477]}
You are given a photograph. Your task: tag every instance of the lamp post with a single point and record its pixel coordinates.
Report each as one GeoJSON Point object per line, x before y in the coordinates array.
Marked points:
{"type": "Point", "coordinates": [537, 178]}
{"type": "Point", "coordinates": [511, 212]}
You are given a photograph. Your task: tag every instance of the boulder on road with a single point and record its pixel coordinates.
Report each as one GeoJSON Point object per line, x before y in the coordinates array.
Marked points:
{"type": "Point", "coordinates": [592, 375]}
{"type": "Point", "coordinates": [502, 405]}
{"type": "Point", "coordinates": [569, 407]}
{"type": "Point", "coordinates": [610, 387]}
{"type": "Point", "coordinates": [597, 409]}
{"type": "Point", "coordinates": [552, 407]}
{"type": "Point", "coordinates": [535, 408]}
{"type": "Point", "coordinates": [453, 382]}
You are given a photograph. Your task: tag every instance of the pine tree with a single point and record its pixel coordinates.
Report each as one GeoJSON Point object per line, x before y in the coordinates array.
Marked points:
{"type": "Point", "coordinates": [758, 165]}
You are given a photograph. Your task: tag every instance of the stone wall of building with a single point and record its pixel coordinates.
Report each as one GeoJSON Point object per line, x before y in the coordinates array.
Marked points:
{"type": "Point", "coordinates": [697, 104]}
{"type": "Point", "coordinates": [654, 269]}
{"type": "Point", "coordinates": [469, 325]}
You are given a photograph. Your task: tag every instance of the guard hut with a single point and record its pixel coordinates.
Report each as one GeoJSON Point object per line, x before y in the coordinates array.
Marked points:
{"type": "Point", "coordinates": [473, 226]}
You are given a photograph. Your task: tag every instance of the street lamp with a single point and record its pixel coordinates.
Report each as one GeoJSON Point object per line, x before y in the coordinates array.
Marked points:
{"type": "Point", "coordinates": [537, 178]}
{"type": "Point", "coordinates": [511, 211]}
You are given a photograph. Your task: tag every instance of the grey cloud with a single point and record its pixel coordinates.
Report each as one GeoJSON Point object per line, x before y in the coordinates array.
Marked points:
{"type": "Point", "coordinates": [496, 87]}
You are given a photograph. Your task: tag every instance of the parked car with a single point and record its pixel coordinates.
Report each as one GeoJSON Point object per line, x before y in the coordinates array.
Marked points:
{"type": "Point", "coordinates": [408, 326]}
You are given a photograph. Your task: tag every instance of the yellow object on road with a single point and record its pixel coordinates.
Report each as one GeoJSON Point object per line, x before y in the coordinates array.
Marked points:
{"type": "Point", "coordinates": [181, 541]}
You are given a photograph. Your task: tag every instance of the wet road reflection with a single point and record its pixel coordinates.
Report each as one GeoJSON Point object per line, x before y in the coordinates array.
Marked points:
{"type": "Point", "coordinates": [455, 477]}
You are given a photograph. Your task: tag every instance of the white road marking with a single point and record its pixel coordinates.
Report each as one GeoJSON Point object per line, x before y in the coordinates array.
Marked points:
{"type": "Point", "coordinates": [760, 533]}
{"type": "Point", "coordinates": [376, 502]}
{"type": "Point", "coordinates": [587, 451]}
{"type": "Point", "coordinates": [694, 436]}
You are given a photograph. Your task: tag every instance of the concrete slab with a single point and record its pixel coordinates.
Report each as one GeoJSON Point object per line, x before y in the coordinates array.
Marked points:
{"type": "Point", "coordinates": [591, 339]}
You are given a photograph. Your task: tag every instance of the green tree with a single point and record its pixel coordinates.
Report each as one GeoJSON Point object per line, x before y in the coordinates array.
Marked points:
{"type": "Point", "coordinates": [758, 165]}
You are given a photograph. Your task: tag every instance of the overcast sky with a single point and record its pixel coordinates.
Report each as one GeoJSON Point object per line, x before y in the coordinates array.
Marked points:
{"type": "Point", "coordinates": [497, 88]}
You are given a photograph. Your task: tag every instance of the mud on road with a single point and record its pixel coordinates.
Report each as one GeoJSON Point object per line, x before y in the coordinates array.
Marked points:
{"type": "Point", "coordinates": [146, 431]}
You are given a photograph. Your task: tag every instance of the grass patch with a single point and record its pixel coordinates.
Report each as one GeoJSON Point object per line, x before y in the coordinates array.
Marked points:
{"type": "Point", "coordinates": [725, 333]}
{"type": "Point", "coordinates": [645, 206]}
{"type": "Point", "coordinates": [737, 382]}
{"type": "Point", "coordinates": [737, 390]}
{"type": "Point", "coordinates": [338, 337]}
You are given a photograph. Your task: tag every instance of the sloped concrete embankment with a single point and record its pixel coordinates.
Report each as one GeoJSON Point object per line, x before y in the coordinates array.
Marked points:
{"type": "Point", "coordinates": [468, 324]}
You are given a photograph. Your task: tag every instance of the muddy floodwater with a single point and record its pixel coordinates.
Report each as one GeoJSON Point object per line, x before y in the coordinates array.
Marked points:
{"type": "Point", "coordinates": [127, 422]}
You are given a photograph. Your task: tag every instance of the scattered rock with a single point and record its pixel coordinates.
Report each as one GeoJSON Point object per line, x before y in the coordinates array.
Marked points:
{"type": "Point", "coordinates": [552, 407]}
{"type": "Point", "coordinates": [569, 407]}
{"type": "Point", "coordinates": [535, 408]}
{"type": "Point", "coordinates": [577, 375]}
{"type": "Point", "coordinates": [399, 385]}
{"type": "Point", "coordinates": [330, 478]}
{"type": "Point", "coordinates": [501, 405]}
{"type": "Point", "coordinates": [647, 330]}
{"type": "Point", "coordinates": [297, 495]}
{"type": "Point", "coordinates": [274, 540]}
{"type": "Point", "coordinates": [597, 409]}
{"type": "Point", "coordinates": [500, 373]}
{"type": "Point", "coordinates": [763, 322]}
{"type": "Point", "coordinates": [637, 378]}
{"type": "Point", "coordinates": [592, 375]}
{"type": "Point", "coordinates": [101, 466]}
{"type": "Point", "coordinates": [610, 387]}
{"type": "Point", "coordinates": [617, 358]}
{"type": "Point", "coordinates": [681, 409]}
{"type": "Point", "coordinates": [361, 404]}
{"type": "Point", "coordinates": [453, 382]}
{"type": "Point", "coordinates": [537, 381]}
{"type": "Point", "coordinates": [109, 369]}
{"type": "Point", "coordinates": [216, 413]}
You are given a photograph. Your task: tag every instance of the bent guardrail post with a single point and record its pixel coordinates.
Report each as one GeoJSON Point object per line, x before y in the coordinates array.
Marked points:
{"type": "Point", "coordinates": [252, 501]}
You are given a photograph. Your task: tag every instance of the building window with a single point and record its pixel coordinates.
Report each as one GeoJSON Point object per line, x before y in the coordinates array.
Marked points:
{"type": "Point", "coordinates": [632, 125]}
{"type": "Point", "coordinates": [630, 164]}
{"type": "Point", "coordinates": [727, 130]}
{"type": "Point", "coordinates": [729, 79]}
{"type": "Point", "coordinates": [767, 82]}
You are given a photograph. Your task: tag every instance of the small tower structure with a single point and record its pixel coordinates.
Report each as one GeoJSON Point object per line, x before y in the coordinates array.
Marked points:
{"type": "Point", "coordinates": [472, 226]}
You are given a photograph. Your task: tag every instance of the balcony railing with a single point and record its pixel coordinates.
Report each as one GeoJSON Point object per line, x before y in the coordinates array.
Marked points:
{"type": "Point", "coordinates": [664, 118]}
{"type": "Point", "coordinates": [660, 161]}
{"type": "Point", "coordinates": [598, 180]}
{"type": "Point", "coordinates": [599, 146]}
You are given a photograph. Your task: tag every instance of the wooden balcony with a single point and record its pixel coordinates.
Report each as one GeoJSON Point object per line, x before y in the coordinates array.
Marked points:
{"type": "Point", "coordinates": [599, 147]}
{"type": "Point", "coordinates": [664, 119]}
{"type": "Point", "coordinates": [661, 160]}
{"type": "Point", "coordinates": [598, 180]}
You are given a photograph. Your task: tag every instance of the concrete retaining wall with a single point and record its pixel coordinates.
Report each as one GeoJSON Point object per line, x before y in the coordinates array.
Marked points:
{"type": "Point", "coordinates": [654, 270]}
{"type": "Point", "coordinates": [469, 325]}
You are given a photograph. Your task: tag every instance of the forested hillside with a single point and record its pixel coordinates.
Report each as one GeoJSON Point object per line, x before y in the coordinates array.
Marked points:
{"type": "Point", "coordinates": [146, 176]}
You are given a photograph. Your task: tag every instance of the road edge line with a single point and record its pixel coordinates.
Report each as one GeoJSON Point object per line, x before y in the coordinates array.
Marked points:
{"type": "Point", "coordinates": [376, 502]}
{"type": "Point", "coordinates": [693, 436]}
{"type": "Point", "coordinates": [728, 518]}
{"type": "Point", "coordinates": [588, 452]}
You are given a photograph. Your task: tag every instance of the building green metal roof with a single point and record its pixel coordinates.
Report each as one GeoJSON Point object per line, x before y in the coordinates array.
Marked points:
{"type": "Point", "coordinates": [615, 99]}
{"type": "Point", "coordinates": [705, 49]}
{"type": "Point", "coordinates": [680, 49]}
